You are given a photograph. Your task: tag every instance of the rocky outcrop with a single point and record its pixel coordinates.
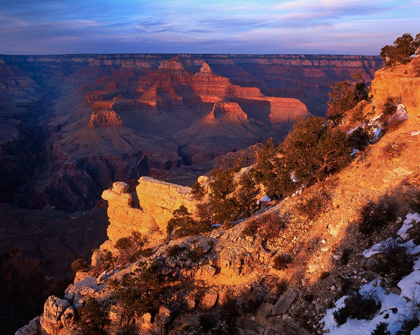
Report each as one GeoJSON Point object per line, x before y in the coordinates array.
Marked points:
{"type": "Point", "coordinates": [147, 210]}
{"type": "Point", "coordinates": [400, 82]}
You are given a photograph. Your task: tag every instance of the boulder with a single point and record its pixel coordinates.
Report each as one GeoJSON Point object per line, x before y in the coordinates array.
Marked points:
{"type": "Point", "coordinates": [68, 317]}
{"type": "Point", "coordinates": [209, 300]}
{"type": "Point", "coordinates": [51, 318]}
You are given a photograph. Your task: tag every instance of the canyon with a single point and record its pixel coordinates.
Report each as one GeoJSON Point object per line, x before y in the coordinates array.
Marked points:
{"type": "Point", "coordinates": [71, 125]}
{"type": "Point", "coordinates": [228, 279]}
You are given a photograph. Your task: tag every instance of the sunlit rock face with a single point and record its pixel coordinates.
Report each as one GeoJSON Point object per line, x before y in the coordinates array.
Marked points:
{"type": "Point", "coordinates": [72, 125]}
{"type": "Point", "coordinates": [147, 210]}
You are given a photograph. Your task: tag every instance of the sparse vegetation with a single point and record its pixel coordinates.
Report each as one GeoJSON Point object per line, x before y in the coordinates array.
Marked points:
{"type": "Point", "coordinates": [182, 224]}
{"type": "Point", "coordinates": [344, 96]}
{"type": "Point", "coordinates": [144, 290]}
{"type": "Point", "coordinates": [282, 261]}
{"type": "Point", "coordinates": [79, 265]}
{"type": "Point", "coordinates": [376, 215]}
{"type": "Point", "coordinates": [92, 317]}
{"type": "Point", "coordinates": [381, 329]}
{"type": "Point", "coordinates": [196, 254]}
{"type": "Point", "coordinates": [313, 204]}
{"type": "Point", "coordinates": [268, 226]}
{"type": "Point", "coordinates": [401, 51]}
{"type": "Point", "coordinates": [393, 150]}
{"type": "Point", "coordinates": [395, 263]}
{"type": "Point", "coordinates": [357, 306]}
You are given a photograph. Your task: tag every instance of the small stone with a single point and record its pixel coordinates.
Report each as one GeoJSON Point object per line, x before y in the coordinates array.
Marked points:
{"type": "Point", "coordinates": [405, 236]}
{"type": "Point", "coordinates": [209, 300]}
{"type": "Point", "coordinates": [284, 302]}
{"type": "Point", "coordinates": [323, 241]}
{"type": "Point", "coordinates": [120, 187]}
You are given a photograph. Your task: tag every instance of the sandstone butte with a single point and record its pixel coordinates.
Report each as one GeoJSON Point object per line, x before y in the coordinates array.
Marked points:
{"type": "Point", "coordinates": [233, 262]}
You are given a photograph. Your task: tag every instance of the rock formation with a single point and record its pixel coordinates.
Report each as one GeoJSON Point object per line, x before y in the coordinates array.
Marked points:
{"type": "Point", "coordinates": [230, 263]}
{"type": "Point", "coordinates": [133, 115]}
{"type": "Point", "coordinates": [147, 210]}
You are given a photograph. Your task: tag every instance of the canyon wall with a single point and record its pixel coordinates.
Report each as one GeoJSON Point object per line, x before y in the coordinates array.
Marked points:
{"type": "Point", "coordinates": [73, 124]}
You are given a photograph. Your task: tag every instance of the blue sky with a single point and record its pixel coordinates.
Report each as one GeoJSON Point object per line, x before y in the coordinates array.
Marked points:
{"type": "Point", "coordinates": [195, 26]}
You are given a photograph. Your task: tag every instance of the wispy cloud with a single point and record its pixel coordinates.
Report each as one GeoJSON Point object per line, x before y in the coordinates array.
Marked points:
{"type": "Point", "coordinates": [219, 26]}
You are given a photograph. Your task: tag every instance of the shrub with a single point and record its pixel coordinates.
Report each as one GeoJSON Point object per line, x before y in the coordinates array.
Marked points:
{"type": "Point", "coordinates": [381, 329]}
{"type": "Point", "coordinates": [271, 171]}
{"type": "Point", "coordinates": [361, 137]}
{"type": "Point", "coordinates": [268, 226]}
{"type": "Point", "coordinates": [282, 261]}
{"type": "Point", "coordinates": [144, 290]}
{"type": "Point", "coordinates": [124, 243]}
{"type": "Point", "coordinates": [345, 96]}
{"type": "Point", "coordinates": [92, 318]}
{"type": "Point", "coordinates": [389, 107]}
{"type": "Point", "coordinates": [377, 215]}
{"type": "Point", "coordinates": [312, 206]}
{"type": "Point", "coordinates": [146, 252]}
{"type": "Point", "coordinates": [345, 256]}
{"type": "Point", "coordinates": [313, 150]}
{"type": "Point", "coordinates": [108, 260]}
{"type": "Point", "coordinates": [174, 250]}
{"type": "Point", "coordinates": [196, 254]}
{"type": "Point", "coordinates": [395, 264]}
{"type": "Point", "coordinates": [401, 51]}
{"type": "Point", "coordinates": [357, 306]}
{"type": "Point", "coordinates": [408, 325]}
{"type": "Point", "coordinates": [182, 224]}
{"type": "Point", "coordinates": [79, 265]}
{"type": "Point", "coordinates": [393, 150]}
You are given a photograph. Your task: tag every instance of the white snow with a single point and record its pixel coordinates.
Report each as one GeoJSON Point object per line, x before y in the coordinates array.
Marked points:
{"type": "Point", "coordinates": [356, 327]}
{"type": "Point", "coordinates": [265, 198]}
{"type": "Point", "coordinates": [410, 220]}
{"type": "Point", "coordinates": [415, 133]}
{"type": "Point", "coordinates": [355, 151]}
{"type": "Point", "coordinates": [409, 285]}
{"type": "Point", "coordinates": [377, 248]}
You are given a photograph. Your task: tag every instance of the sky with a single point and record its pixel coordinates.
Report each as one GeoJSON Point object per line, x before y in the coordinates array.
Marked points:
{"type": "Point", "coordinates": [355, 27]}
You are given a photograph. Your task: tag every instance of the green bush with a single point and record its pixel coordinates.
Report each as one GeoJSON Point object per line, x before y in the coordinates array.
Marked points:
{"type": "Point", "coordinates": [313, 150]}
{"type": "Point", "coordinates": [92, 317]}
{"type": "Point", "coordinates": [124, 243]}
{"type": "Point", "coordinates": [344, 96]}
{"type": "Point", "coordinates": [182, 224]}
{"type": "Point", "coordinates": [268, 226]}
{"type": "Point", "coordinates": [282, 261]}
{"type": "Point", "coordinates": [357, 306]}
{"type": "Point", "coordinates": [144, 290]}
{"type": "Point", "coordinates": [401, 51]}
{"type": "Point", "coordinates": [79, 265]}
{"type": "Point", "coordinates": [381, 329]}
{"type": "Point", "coordinates": [376, 215]}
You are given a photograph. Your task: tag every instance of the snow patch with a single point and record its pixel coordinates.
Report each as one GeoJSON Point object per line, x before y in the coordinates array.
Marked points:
{"type": "Point", "coordinates": [409, 221]}
{"type": "Point", "coordinates": [377, 248]}
{"type": "Point", "coordinates": [264, 199]}
{"type": "Point", "coordinates": [415, 133]}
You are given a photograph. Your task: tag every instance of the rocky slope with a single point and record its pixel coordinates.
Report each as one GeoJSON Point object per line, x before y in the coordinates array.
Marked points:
{"type": "Point", "coordinates": [326, 250]}
{"type": "Point", "coordinates": [116, 117]}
